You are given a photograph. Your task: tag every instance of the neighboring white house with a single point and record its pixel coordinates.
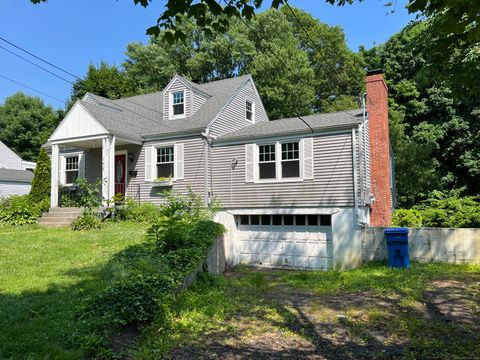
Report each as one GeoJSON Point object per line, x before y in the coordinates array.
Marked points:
{"type": "Point", "coordinates": [15, 174]}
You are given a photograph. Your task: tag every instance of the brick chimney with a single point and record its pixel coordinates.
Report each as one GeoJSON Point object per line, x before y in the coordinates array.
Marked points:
{"type": "Point", "coordinates": [377, 110]}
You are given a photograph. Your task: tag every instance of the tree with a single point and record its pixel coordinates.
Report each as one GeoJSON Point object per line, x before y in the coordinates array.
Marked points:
{"type": "Point", "coordinates": [293, 76]}
{"type": "Point", "coordinates": [460, 17]}
{"type": "Point", "coordinates": [104, 80]}
{"type": "Point", "coordinates": [434, 110]}
{"type": "Point", "coordinates": [26, 123]}
{"type": "Point", "coordinates": [40, 189]}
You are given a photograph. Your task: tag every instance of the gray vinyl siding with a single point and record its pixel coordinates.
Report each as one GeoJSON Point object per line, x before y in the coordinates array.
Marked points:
{"type": "Point", "coordinates": [332, 185]}
{"type": "Point", "coordinates": [233, 115]}
{"type": "Point", "coordinates": [192, 101]}
{"type": "Point", "coordinates": [93, 165]}
{"type": "Point", "coordinates": [194, 170]}
{"type": "Point", "coordinates": [197, 101]}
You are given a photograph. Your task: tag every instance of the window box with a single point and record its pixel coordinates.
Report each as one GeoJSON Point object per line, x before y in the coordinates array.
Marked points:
{"type": "Point", "coordinates": [162, 182]}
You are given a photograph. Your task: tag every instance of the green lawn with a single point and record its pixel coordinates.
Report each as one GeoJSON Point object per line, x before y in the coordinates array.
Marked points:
{"type": "Point", "coordinates": [45, 274]}
{"type": "Point", "coordinates": [428, 311]}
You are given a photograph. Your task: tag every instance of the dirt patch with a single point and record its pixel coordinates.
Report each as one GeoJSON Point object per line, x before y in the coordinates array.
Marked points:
{"type": "Point", "coordinates": [455, 301]}
{"type": "Point", "coordinates": [361, 325]}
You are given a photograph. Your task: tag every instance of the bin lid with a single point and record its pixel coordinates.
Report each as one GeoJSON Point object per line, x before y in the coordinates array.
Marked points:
{"type": "Point", "coordinates": [395, 231]}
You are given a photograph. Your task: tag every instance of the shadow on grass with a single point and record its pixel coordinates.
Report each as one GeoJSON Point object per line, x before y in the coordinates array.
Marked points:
{"type": "Point", "coordinates": [42, 324]}
{"type": "Point", "coordinates": [339, 325]}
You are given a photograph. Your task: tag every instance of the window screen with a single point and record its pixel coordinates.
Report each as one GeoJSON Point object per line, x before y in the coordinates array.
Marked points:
{"type": "Point", "coordinates": [165, 162]}
{"type": "Point", "coordinates": [249, 110]}
{"type": "Point", "coordinates": [178, 103]}
{"type": "Point", "coordinates": [71, 169]}
{"type": "Point", "coordinates": [290, 160]}
{"type": "Point", "coordinates": [266, 162]}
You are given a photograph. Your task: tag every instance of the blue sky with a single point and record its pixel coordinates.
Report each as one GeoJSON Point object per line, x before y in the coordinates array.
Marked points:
{"type": "Point", "coordinates": [74, 33]}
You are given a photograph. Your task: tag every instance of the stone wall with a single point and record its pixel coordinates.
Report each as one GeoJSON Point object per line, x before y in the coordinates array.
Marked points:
{"type": "Point", "coordinates": [455, 246]}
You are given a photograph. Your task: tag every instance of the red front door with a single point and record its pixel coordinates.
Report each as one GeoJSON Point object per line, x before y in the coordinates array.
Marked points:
{"type": "Point", "coordinates": [120, 174]}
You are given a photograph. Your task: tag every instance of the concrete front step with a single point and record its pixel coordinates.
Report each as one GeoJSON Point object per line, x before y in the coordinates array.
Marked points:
{"type": "Point", "coordinates": [60, 216]}
{"type": "Point", "coordinates": [65, 209]}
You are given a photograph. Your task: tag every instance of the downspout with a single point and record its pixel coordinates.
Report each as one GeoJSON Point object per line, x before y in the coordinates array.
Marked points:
{"type": "Point", "coordinates": [355, 175]}
{"type": "Point", "coordinates": [206, 190]}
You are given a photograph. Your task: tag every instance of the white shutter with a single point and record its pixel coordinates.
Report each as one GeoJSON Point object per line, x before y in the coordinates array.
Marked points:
{"type": "Point", "coordinates": [62, 168]}
{"type": "Point", "coordinates": [250, 162]}
{"type": "Point", "coordinates": [178, 156]}
{"type": "Point", "coordinates": [81, 166]}
{"type": "Point", "coordinates": [149, 163]}
{"type": "Point", "coordinates": [308, 158]}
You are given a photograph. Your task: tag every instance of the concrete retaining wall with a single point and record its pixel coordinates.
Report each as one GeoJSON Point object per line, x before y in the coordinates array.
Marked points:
{"type": "Point", "coordinates": [455, 246]}
{"type": "Point", "coordinates": [214, 264]}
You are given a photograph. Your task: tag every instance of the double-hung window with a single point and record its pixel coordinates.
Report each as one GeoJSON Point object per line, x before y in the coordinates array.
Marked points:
{"type": "Point", "coordinates": [71, 169]}
{"type": "Point", "coordinates": [165, 162]}
{"type": "Point", "coordinates": [290, 160]}
{"type": "Point", "coordinates": [249, 110]}
{"type": "Point", "coordinates": [178, 103]}
{"type": "Point", "coordinates": [266, 162]}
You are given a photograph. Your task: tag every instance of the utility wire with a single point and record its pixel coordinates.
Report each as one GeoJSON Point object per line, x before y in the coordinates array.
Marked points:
{"type": "Point", "coordinates": [314, 45]}
{"type": "Point", "coordinates": [261, 40]}
{"type": "Point", "coordinates": [39, 58]}
{"type": "Point", "coordinates": [28, 87]}
{"type": "Point", "coordinates": [34, 64]}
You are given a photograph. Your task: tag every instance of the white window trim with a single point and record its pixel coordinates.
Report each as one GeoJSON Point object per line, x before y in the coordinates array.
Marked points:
{"type": "Point", "coordinates": [155, 160]}
{"type": "Point", "coordinates": [278, 161]}
{"type": "Point", "coordinates": [63, 166]}
{"type": "Point", "coordinates": [253, 111]}
{"type": "Point", "coordinates": [180, 116]}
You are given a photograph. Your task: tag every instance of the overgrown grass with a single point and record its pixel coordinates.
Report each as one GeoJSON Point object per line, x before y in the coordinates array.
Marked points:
{"type": "Point", "coordinates": [227, 310]}
{"type": "Point", "coordinates": [45, 274]}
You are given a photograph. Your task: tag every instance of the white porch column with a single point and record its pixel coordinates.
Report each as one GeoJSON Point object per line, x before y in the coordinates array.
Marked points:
{"type": "Point", "coordinates": [54, 176]}
{"type": "Point", "coordinates": [108, 168]}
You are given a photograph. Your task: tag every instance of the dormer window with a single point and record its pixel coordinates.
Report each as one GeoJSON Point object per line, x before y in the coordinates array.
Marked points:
{"type": "Point", "coordinates": [249, 110]}
{"type": "Point", "coordinates": [178, 103]}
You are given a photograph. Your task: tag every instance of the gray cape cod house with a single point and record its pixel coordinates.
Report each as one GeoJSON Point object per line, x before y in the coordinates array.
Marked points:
{"type": "Point", "coordinates": [294, 192]}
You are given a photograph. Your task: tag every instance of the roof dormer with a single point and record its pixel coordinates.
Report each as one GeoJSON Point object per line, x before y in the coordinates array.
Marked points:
{"type": "Point", "coordinates": [182, 98]}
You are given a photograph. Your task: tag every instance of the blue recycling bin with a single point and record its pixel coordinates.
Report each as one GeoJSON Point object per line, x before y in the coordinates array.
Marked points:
{"type": "Point", "coordinates": [397, 247]}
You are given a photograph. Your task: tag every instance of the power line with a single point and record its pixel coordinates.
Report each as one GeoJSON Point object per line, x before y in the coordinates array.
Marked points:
{"type": "Point", "coordinates": [261, 40]}
{"type": "Point", "coordinates": [39, 58]}
{"type": "Point", "coordinates": [34, 64]}
{"type": "Point", "coordinates": [314, 45]}
{"type": "Point", "coordinates": [28, 87]}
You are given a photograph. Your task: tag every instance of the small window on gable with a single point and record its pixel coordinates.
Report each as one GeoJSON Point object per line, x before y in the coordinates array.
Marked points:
{"type": "Point", "coordinates": [249, 110]}
{"type": "Point", "coordinates": [178, 103]}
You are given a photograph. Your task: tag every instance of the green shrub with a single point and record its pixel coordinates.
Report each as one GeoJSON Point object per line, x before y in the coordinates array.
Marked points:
{"type": "Point", "coordinates": [86, 195]}
{"type": "Point", "coordinates": [41, 179]}
{"type": "Point", "coordinates": [20, 210]}
{"type": "Point", "coordinates": [134, 211]}
{"type": "Point", "coordinates": [142, 275]}
{"type": "Point", "coordinates": [407, 218]}
{"type": "Point", "coordinates": [450, 210]}
{"type": "Point", "coordinates": [87, 221]}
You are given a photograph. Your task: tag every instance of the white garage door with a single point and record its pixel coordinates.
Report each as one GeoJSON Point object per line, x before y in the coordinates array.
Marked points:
{"type": "Point", "coordinates": [293, 241]}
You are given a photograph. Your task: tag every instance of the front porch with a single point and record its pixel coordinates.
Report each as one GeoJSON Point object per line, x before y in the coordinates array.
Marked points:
{"type": "Point", "coordinates": [107, 159]}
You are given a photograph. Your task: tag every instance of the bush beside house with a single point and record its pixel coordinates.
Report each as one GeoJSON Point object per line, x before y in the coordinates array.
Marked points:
{"type": "Point", "coordinates": [449, 211]}
{"type": "Point", "coordinates": [41, 179]}
{"type": "Point", "coordinates": [144, 277]}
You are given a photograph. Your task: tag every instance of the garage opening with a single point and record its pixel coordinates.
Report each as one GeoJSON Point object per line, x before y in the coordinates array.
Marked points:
{"type": "Point", "coordinates": [291, 241]}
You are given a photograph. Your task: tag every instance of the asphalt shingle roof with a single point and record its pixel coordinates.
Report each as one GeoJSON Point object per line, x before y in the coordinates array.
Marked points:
{"type": "Point", "coordinates": [16, 175]}
{"type": "Point", "coordinates": [297, 125]}
{"type": "Point", "coordinates": [142, 115]}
